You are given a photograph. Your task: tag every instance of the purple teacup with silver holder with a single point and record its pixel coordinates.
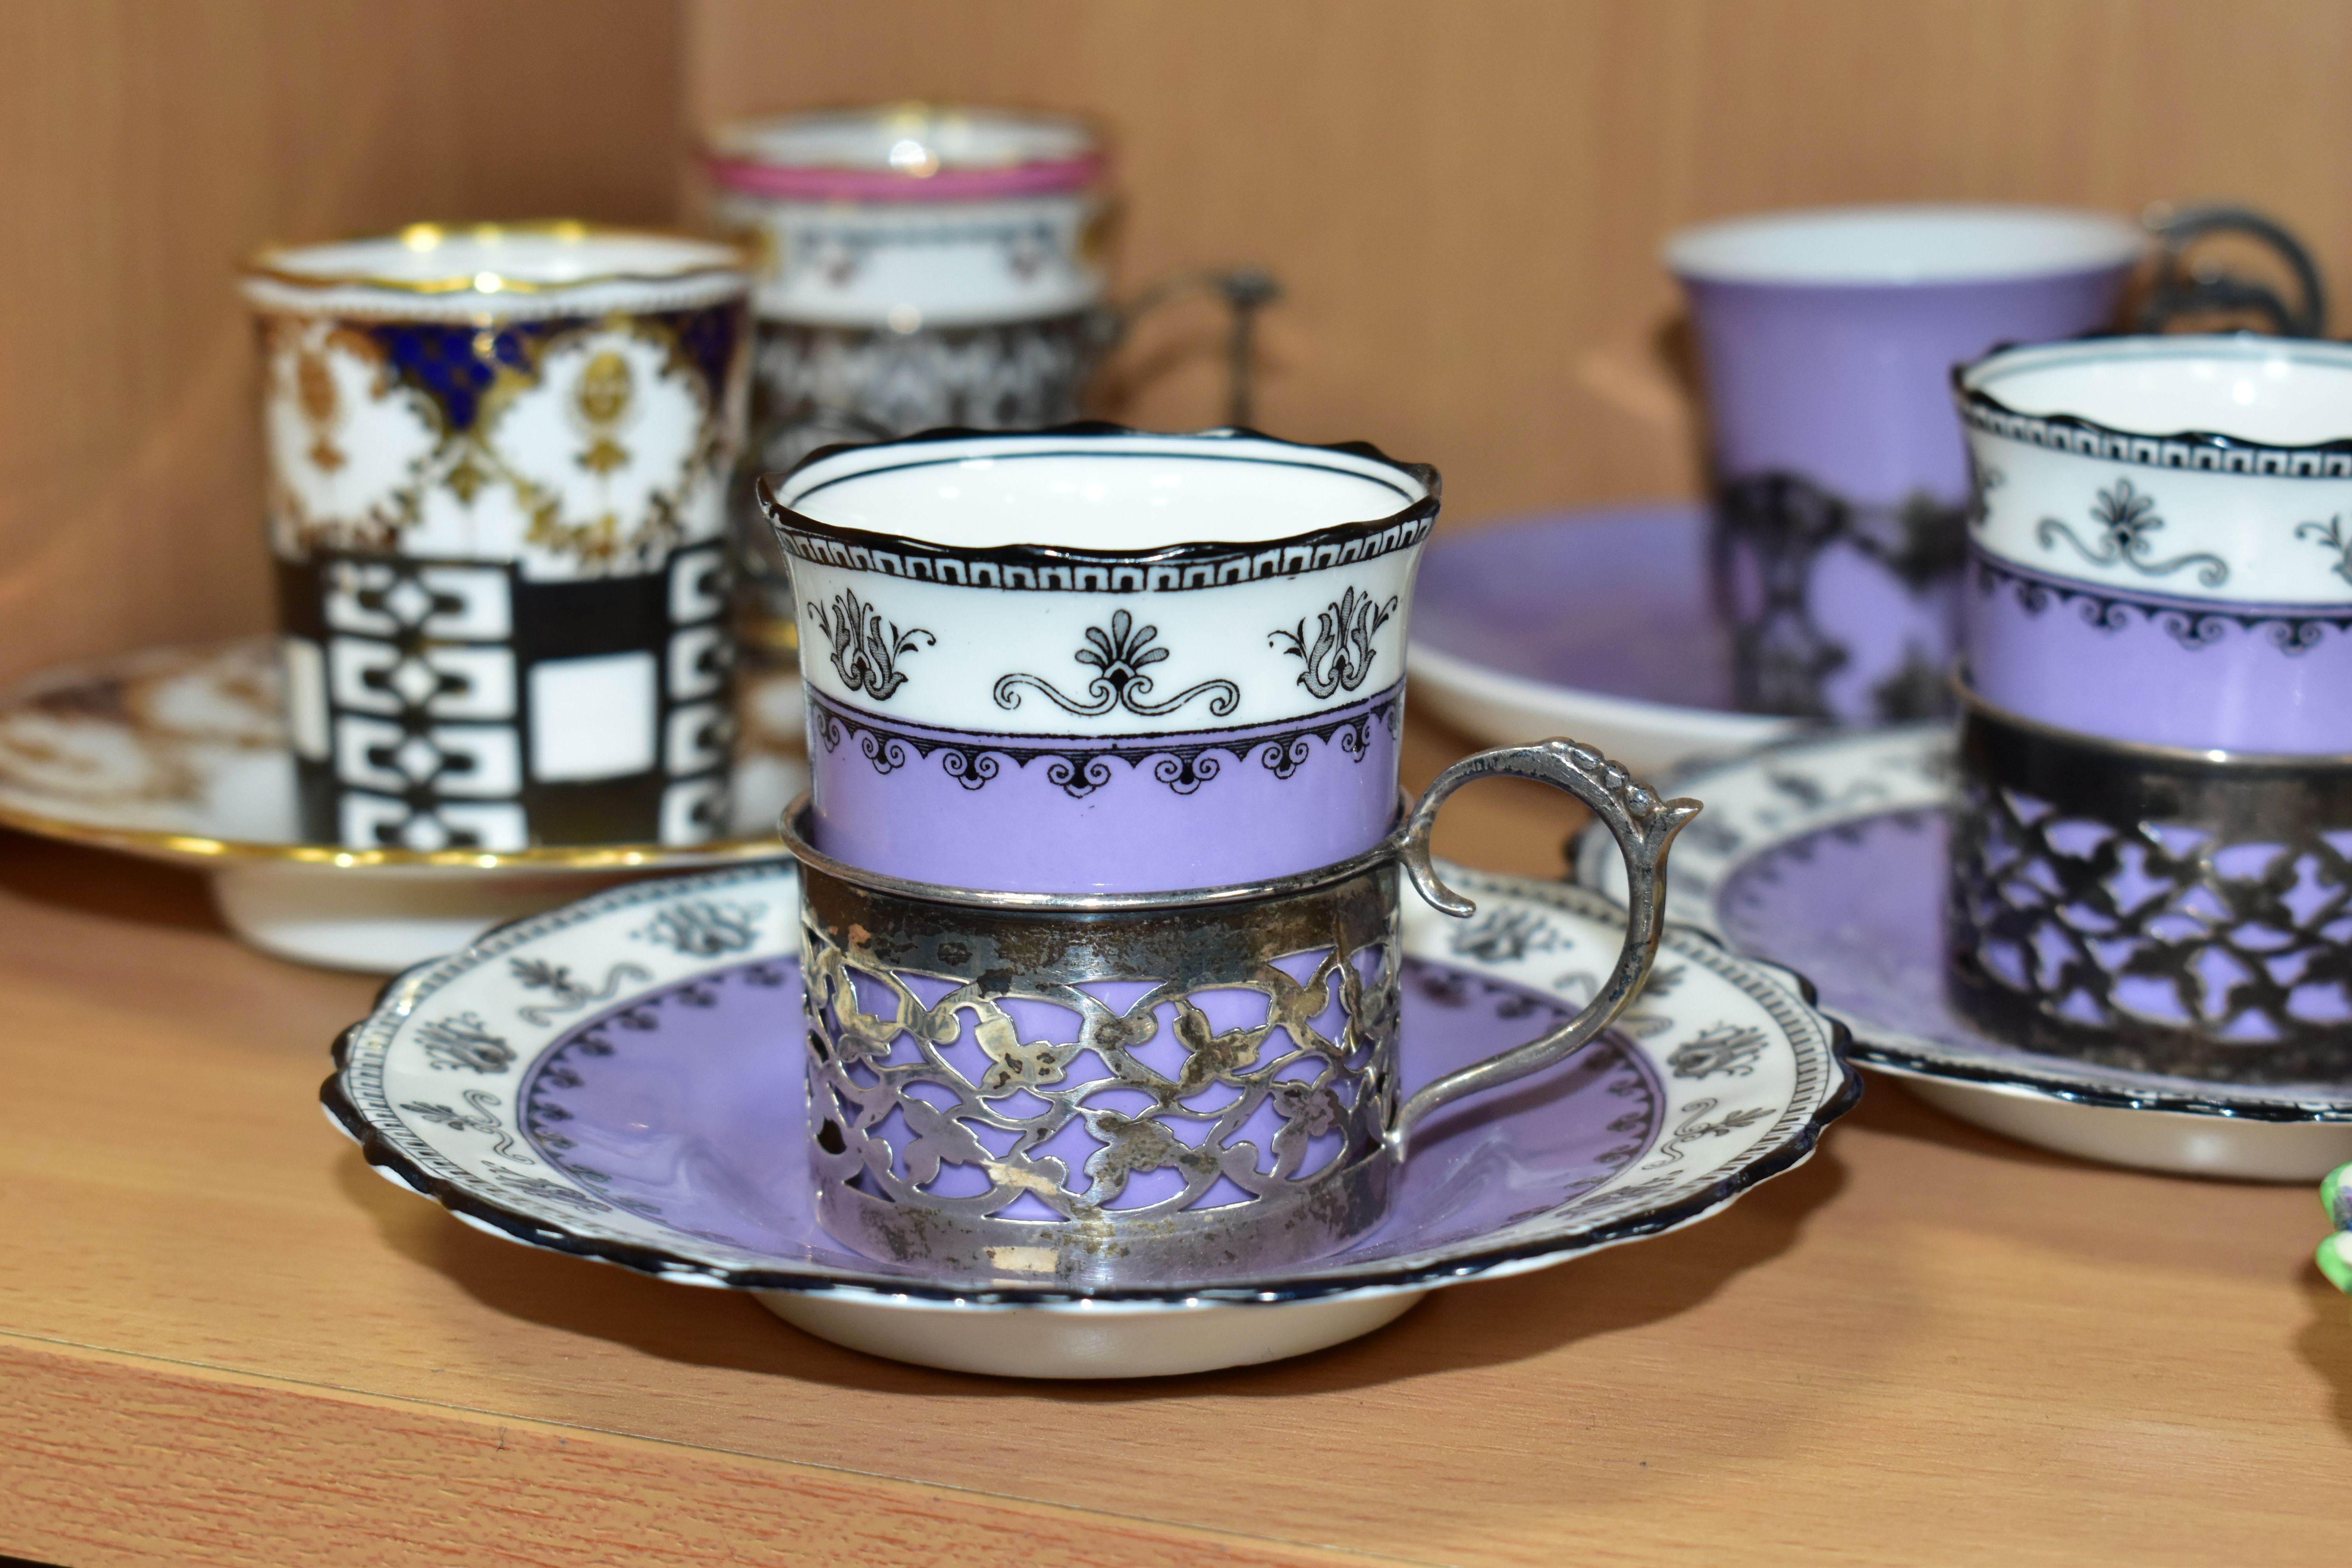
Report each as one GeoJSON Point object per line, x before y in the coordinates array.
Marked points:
{"type": "Point", "coordinates": [1826, 338]}
{"type": "Point", "coordinates": [2153, 867]}
{"type": "Point", "coordinates": [1102, 860]}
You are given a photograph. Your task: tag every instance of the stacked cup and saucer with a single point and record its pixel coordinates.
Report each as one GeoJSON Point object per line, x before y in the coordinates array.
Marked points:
{"type": "Point", "coordinates": [2113, 914]}
{"type": "Point", "coordinates": [497, 461]}
{"type": "Point", "coordinates": [1820, 585]}
{"type": "Point", "coordinates": [1090, 1031]}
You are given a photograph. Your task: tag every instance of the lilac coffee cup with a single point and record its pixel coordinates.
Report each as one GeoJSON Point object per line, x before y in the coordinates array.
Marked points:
{"type": "Point", "coordinates": [1089, 661]}
{"type": "Point", "coordinates": [2164, 550]}
{"type": "Point", "coordinates": [1827, 338]}
{"type": "Point", "coordinates": [2152, 856]}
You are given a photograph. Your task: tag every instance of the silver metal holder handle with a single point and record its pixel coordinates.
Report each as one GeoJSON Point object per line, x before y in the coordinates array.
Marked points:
{"type": "Point", "coordinates": [1244, 291]}
{"type": "Point", "coordinates": [2183, 290]}
{"type": "Point", "coordinates": [1645, 827]}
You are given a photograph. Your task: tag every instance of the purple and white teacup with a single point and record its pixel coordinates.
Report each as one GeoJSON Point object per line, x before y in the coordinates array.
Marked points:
{"type": "Point", "coordinates": [1091, 660]}
{"type": "Point", "coordinates": [2164, 552]}
{"type": "Point", "coordinates": [1826, 338]}
{"type": "Point", "coordinates": [2153, 865]}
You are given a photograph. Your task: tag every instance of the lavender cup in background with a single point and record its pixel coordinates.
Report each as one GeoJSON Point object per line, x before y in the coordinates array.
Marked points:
{"type": "Point", "coordinates": [1827, 339]}
{"type": "Point", "coordinates": [1090, 660]}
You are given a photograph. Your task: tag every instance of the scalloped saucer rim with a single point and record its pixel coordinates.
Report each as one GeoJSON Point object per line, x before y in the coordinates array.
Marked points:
{"type": "Point", "coordinates": [1502, 610]}
{"type": "Point", "coordinates": [1759, 803]}
{"type": "Point", "coordinates": [1800, 1081]}
{"type": "Point", "coordinates": [177, 755]}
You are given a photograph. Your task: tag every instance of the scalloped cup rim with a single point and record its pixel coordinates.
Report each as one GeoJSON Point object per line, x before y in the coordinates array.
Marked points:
{"type": "Point", "coordinates": [783, 515]}
{"type": "Point", "coordinates": [1969, 393]}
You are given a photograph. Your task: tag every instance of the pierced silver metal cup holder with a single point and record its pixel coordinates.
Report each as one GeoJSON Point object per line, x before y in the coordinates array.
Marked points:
{"type": "Point", "coordinates": [2152, 908]}
{"type": "Point", "coordinates": [1116, 1088]}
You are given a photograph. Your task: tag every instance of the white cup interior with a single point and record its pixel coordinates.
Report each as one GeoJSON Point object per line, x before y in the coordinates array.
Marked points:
{"type": "Point", "coordinates": [917, 140]}
{"type": "Point", "coordinates": [1101, 493]}
{"type": "Point", "coordinates": [538, 255]}
{"type": "Point", "coordinates": [1899, 244]}
{"type": "Point", "coordinates": [2271, 391]}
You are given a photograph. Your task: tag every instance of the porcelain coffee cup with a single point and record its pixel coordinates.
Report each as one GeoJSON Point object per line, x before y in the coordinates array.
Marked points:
{"type": "Point", "coordinates": [1093, 661]}
{"type": "Point", "coordinates": [1826, 338]}
{"type": "Point", "coordinates": [2163, 552]}
{"type": "Point", "coordinates": [2153, 854]}
{"type": "Point", "coordinates": [497, 460]}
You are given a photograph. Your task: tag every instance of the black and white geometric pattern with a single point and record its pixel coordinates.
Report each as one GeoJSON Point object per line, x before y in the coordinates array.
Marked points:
{"type": "Point", "coordinates": [459, 705]}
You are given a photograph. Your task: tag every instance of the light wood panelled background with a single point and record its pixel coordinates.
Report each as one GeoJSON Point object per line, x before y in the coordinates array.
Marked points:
{"type": "Point", "coordinates": [1466, 197]}
{"type": "Point", "coordinates": [146, 146]}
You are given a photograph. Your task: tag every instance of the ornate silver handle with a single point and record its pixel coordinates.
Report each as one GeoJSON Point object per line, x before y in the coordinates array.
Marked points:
{"type": "Point", "coordinates": [1245, 292]}
{"type": "Point", "coordinates": [1645, 827]}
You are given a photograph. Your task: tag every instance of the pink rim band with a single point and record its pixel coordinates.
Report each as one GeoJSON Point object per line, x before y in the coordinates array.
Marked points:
{"type": "Point", "coordinates": [818, 185]}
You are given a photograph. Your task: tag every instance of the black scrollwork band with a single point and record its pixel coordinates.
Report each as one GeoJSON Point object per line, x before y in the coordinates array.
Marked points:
{"type": "Point", "coordinates": [1079, 767]}
{"type": "Point", "coordinates": [2195, 625]}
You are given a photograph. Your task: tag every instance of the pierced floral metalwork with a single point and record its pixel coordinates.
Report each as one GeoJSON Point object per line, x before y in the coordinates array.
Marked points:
{"type": "Point", "coordinates": [1340, 657]}
{"type": "Point", "coordinates": [2126, 517]}
{"type": "Point", "coordinates": [1180, 1087]}
{"type": "Point", "coordinates": [1122, 651]}
{"type": "Point", "coordinates": [866, 649]}
{"type": "Point", "coordinates": [2153, 910]}
{"type": "Point", "coordinates": [1172, 1084]}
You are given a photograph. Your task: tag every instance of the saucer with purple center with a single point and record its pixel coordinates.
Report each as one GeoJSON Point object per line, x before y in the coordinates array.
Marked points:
{"type": "Point", "coordinates": [622, 1079]}
{"type": "Point", "coordinates": [1828, 854]}
{"type": "Point", "coordinates": [1599, 623]}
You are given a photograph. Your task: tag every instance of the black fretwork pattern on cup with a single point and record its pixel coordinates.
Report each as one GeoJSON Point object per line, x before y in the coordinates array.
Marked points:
{"type": "Point", "coordinates": [437, 704]}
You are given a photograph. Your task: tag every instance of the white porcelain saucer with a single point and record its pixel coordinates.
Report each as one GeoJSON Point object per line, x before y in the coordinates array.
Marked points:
{"type": "Point", "coordinates": [621, 1079]}
{"type": "Point", "coordinates": [1827, 855]}
{"type": "Point", "coordinates": [179, 755]}
{"type": "Point", "coordinates": [1596, 623]}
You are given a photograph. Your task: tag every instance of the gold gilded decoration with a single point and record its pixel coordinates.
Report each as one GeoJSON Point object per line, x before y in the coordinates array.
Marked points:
{"type": "Point", "coordinates": [601, 401]}
{"type": "Point", "coordinates": [314, 389]}
{"type": "Point", "coordinates": [597, 389]}
{"type": "Point", "coordinates": [466, 478]}
{"type": "Point", "coordinates": [699, 256]}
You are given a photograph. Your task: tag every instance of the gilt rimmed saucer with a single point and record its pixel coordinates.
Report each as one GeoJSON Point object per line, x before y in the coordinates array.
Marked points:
{"type": "Point", "coordinates": [1596, 623]}
{"type": "Point", "coordinates": [621, 1079]}
{"type": "Point", "coordinates": [179, 755]}
{"type": "Point", "coordinates": [1827, 854]}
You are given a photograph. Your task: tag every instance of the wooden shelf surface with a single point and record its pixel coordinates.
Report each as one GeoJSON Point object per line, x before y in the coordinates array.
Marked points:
{"type": "Point", "coordinates": [222, 1339]}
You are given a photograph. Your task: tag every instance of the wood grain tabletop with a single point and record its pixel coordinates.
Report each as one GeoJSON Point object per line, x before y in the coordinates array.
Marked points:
{"type": "Point", "coordinates": [224, 1339]}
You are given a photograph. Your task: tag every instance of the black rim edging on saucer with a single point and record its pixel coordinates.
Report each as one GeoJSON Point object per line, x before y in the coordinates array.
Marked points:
{"type": "Point", "coordinates": [1877, 1046]}
{"type": "Point", "coordinates": [380, 1153]}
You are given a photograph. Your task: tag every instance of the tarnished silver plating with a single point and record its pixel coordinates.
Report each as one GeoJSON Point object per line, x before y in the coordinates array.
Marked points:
{"type": "Point", "coordinates": [2150, 908]}
{"type": "Point", "coordinates": [989, 1073]}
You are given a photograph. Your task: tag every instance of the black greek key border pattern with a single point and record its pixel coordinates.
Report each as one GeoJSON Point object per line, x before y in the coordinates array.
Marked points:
{"type": "Point", "coordinates": [2188, 449]}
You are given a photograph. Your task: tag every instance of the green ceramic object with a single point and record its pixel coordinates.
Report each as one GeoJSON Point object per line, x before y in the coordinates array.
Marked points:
{"type": "Point", "coordinates": [2335, 1252]}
